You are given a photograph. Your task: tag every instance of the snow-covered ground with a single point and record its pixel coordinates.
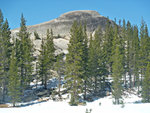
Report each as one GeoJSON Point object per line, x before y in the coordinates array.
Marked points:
{"type": "Point", "coordinates": [102, 105]}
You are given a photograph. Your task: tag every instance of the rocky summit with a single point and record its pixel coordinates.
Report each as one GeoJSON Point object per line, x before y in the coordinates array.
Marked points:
{"type": "Point", "coordinates": [61, 26]}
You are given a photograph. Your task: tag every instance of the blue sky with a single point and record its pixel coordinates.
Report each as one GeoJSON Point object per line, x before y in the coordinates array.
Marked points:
{"type": "Point", "coordinates": [38, 11]}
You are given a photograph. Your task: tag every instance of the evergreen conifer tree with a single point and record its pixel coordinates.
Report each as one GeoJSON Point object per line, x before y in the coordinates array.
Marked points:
{"type": "Point", "coordinates": [97, 61]}
{"type": "Point", "coordinates": [117, 71]}
{"type": "Point", "coordinates": [1, 55]}
{"type": "Point", "coordinates": [14, 80]}
{"type": "Point", "coordinates": [125, 56]}
{"type": "Point", "coordinates": [24, 54]}
{"type": "Point", "coordinates": [5, 52]}
{"type": "Point", "coordinates": [91, 56]}
{"type": "Point", "coordinates": [74, 63]}
{"type": "Point", "coordinates": [117, 67]}
{"type": "Point", "coordinates": [130, 53]}
{"type": "Point", "coordinates": [108, 39]}
{"type": "Point", "coordinates": [49, 55]}
{"type": "Point", "coordinates": [144, 49]}
{"type": "Point", "coordinates": [146, 85]}
{"type": "Point", "coordinates": [59, 67]}
{"type": "Point", "coordinates": [136, 48]}
{"type": "Point", "coordinates": [40, 64]}
{"type": "Point", "coordinates": [46, 58]}
{"type": "Point", "coordinates": [85, 60]}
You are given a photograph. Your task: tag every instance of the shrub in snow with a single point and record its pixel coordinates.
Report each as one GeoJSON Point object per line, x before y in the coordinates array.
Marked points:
{"type": "Point", "coordinates": [88, 110]}
{"type": "Point", "coordinates": [100, 104]}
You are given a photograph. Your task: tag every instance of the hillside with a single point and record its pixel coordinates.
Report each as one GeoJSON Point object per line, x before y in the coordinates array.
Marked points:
{"type": "Point", "coordinates": [61, 26]}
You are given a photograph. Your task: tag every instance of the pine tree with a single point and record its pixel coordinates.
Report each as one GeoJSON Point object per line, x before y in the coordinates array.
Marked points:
{"type": "Point", "coordinates": [91, 61]}
{"type": "Point", "coordinates": [136, 47]}
{"type": "Point", "coordinates": [40, 64]}
{"type": "Point", "coordinates": [117, 66]}
{"type": "Point", "coordinates": [125, 55]}
{"type": "Point", "coordinates": [117, 71]}
{"type": "Point", "coordinates": [59, 67]}
{"type": "Point", "coordinates": [144, 49]}
{"type": "Point", "coordinates": [74, 63]}
{"type": "Point", "coordinates": [96, 61]}
{"type": "Point", "coordinates": [25, 55]}
{"type": "Point", "coordinates": [46, 58]}
{"type": "Point", "coordinates": [97, 49]}
{"type": "Point", "coordinates": [128, 57]}
{"type": "Point", "coordinates": [116, 41]}
{"type": "Point", "coordinates": [108, 39]}
{"type": "Point", "coordinates": [146, 85]}
{"type": "Point", "coordinates": [49, 55]}
{"type": "Point", "coordinates": [85, 60]}
{"type": "Point", "coordinates": [5, 52]}
{"type": "Point", "coordinates": [14, 80]}
{"type": "Point", "coordinates": [1, 55]}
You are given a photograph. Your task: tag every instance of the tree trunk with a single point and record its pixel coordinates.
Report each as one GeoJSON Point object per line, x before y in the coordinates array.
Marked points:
{"type": "Point", "coordinates": [22, 79]}
{"type": "Point", "coordinates": [59, 85]}
{"type": "Point", "coordinates": [45, 82]}
{"type": "Point", "coordinates": [134, 79]}
{"type": "Point", "coordinates": [95, 90]}
{"type": "Point", "coordinates": [85, 90]}
{"type": "Point", "coordinates": [130, 79]}
{"type": "Point", "coordinates": [14, 104]}
{"type": "Point", "coordinates": [4, 92]}
{"type": "Point", "coordinates": [125, 83]}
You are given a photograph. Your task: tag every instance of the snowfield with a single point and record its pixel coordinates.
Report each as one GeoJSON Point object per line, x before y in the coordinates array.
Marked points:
{"type": "Point", "coordinates": [102, 105]}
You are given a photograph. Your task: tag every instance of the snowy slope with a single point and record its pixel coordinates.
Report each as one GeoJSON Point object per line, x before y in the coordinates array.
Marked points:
{"type": "Point", "coordinates": [63, 107]}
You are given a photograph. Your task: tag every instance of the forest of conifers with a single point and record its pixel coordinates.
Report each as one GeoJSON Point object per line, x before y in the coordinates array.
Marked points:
{"type": "Point", "coordinates": [117, 58]}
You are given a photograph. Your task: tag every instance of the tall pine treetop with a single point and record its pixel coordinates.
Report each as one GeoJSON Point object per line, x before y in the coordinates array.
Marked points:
{"type": "Point", "coordinates": [1, 18]}
{"type": "Point", "coordinates": [23, 23]}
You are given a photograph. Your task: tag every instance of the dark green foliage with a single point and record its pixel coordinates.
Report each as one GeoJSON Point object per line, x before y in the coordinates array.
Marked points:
{"type": "Point", "coordinates": [5, 52]}
{"type": "Point", "coordinates": [129, 52]}
{"type": "Point", "coordinates": [24, 55]}
{"type": "Point", "coordinates": [46, 58]}
{"type": "Point", "coordinates": [91, 63]}
{"type": "Point", "coordinates": [125, 56]}
{"type": "Point", "coordinates": [1, 19]}
{"type": "Point", "coordinates": [118, 52]}
{"type": "Point", "coordinates": [117, 67]}
{"type": "Point", "coordinates": [59, 67]}
{"type": "Point", "coordinates": [14, 80]}
{"type": "Point", "coordinates": [108, 39]}
{"type": "Point", "coordinates": [117, 71]}
{"type": "Point", "coordinates": [97, 61]}
{"type": "Point", "coordinates": [135, 65]}
{"type": "Point", "coordinates": [40, 64]}
{"type": "Point", "coordinates": [144, 49]}
{"type": "Point", "coordinates": [75, 62]}
{"type": "Point", "coordinates": [131, 46]}
{"type": "Point", "coordinates": [1, 56]}
{"type": "Point", "coordinates": [85, 61]}
{"type": "Point", "coordinates": [146, 85]}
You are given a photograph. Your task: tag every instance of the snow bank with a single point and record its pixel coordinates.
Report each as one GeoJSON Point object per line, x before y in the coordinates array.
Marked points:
{"type": "Point", "coordinates": [103, 105]}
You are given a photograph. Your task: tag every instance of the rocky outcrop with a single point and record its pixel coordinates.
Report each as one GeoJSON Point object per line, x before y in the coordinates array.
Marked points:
{"type": "Point", "coordinates": [61, 26]}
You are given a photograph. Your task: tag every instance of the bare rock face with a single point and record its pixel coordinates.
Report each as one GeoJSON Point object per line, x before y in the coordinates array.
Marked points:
{"type": "Point", "coordinates": [61, 26]}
